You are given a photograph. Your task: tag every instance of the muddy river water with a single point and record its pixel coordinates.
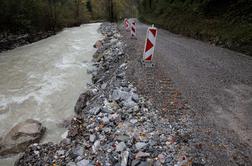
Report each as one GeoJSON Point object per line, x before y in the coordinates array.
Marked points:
{"type": "Point", "coordinates": [43, 80]}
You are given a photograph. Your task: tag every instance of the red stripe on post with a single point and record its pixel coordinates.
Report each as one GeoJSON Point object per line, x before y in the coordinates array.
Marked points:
{"type": "Point", "coordinates": [149, 58]}
{"type": "Point", "coordinates": [149, 45]}
{"type": "Point", "coordinates": [154, 32]}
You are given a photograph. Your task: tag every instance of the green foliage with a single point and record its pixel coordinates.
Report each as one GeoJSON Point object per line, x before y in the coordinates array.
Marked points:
{"type": "Point", "coordinates": [125, 8]}
{"type": "Point", "coordinates": [223, 22]}
{"type": "Point", "coordinates": [28, 16]}
{"type": "Point", "coordinates": [19, 16]}
{"type": "Point", "coordinates": [117, 9]}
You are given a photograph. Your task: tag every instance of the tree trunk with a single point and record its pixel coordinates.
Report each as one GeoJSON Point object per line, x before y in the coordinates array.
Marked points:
{"type": "Point", "coordinates": [111, 10]}
{"type": "Point", "coordinates": [77, 14]}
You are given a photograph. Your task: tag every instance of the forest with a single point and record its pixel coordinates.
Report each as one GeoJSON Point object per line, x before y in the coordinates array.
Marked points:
{"type": "Point", "coordinates": [28, 16]}
{"type": "Point", "coordinates": [27, 21]}
{"type": "Point", "coordinates": [222, 22]}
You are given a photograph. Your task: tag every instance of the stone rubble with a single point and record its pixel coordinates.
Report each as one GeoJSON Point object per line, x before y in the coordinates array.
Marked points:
{"type": "Point", "coordinates": [114, 125]}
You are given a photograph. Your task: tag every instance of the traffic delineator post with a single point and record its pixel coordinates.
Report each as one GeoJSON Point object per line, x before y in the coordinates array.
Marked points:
{"type": "Point", "coordinates": [150, 43]}
{"type": "Point", "coordinates": [126, 24]}
{"type": "Point", "coordinates": [133, 29]}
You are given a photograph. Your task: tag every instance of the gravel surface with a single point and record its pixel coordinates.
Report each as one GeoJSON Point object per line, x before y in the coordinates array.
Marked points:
{"type": "Point", "coordinates": [216, 82]}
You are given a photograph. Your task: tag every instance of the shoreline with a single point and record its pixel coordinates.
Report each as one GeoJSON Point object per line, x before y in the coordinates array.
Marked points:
{"type": "Point", "coordinates": [60, 73]}
{"type": "Point", "coordinates": [114, 124]}
{"type": "Point", "coordinates": [131, 115]}
{"type": "Point", "coordinates": [11, 41]}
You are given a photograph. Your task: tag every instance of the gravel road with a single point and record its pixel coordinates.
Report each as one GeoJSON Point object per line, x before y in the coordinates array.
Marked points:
{"type": "Point", "coordinates": [217, 83]}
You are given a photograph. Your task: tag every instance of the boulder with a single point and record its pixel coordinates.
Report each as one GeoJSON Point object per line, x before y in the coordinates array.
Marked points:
{"type": "Point", "coordinates": [21, 136]}
{"type": "Point", "coordinates": [84, 163]}
{"type": "Point", "coordinates": [125, 156]}
{"type": "Point", "coordinates": [82, 101]}
{"type": "Point", "coordinates": [98, 44]}
{"type": "Point", "coordinates": [120, 95]}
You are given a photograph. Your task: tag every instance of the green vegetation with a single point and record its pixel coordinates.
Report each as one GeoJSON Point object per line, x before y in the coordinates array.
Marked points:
{"type": "Point", "coordinates": [114, 10]}
{"type": "Point", "coordinates": [29, 16]}
{"type": "Point", "coordinates": [223, 22]}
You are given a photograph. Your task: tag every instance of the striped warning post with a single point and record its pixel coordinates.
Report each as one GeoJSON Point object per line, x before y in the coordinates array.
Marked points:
{"type": "Point", "coordinates": [133, 29]}
{"type": "Point", "coordinates": [126, 24]}
{"type": "Point", "coordinates": [150, 43]}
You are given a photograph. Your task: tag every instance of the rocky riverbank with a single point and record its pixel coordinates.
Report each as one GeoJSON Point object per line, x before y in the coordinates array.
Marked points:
{"type": "Point", "coordinates": [114, 124]}
{"type": "Point", "coordinates": [11, 41]}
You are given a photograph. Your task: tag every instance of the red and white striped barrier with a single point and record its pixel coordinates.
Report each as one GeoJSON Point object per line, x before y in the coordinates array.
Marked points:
{"type": "Point", "coordinates": [126, 24]}
{"type": "Point", "coordinates": [133, 29]}
{"type": "Point", "coordinates": [150, 43]}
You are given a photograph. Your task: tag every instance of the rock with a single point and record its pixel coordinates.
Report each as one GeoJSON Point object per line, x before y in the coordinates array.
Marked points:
{"type": "Point", "coordinates": [150, 162]}
{"type": "Point", "coordinates": [135, 97]}
{"type": "Point", "coordinates": [123, 65]}
{"type": "Point", "coordinates": [140, 155]}
{"type": "Point", "coordinates": [124, 84]}
{"type": "Point", "coordinates": [82, 101]}
{"type": "Point", "coordinates": [106, 110]}
{"type": "Point", "coordinates": [114, 117]}
{"type": "Point", "coordinates": [120, 95]}
{"type": "Point", "coordinates": [96, 146]}
{"type": "Point", "coordinates": [120, 147]}
{"type": "Point", "coordinates": [105, 120]}
{"type": "Point", "coordinates": [60, 152]}
{"type": "Point", "coordinates": [120, 75]}
{"type": "Point", "coordinates": [111, 106]}
{"type": "Point", "coordinates": [135, 162]}
{"type": "Point", "coordinates": [71, 164]}
{"type": "Point", "coordinates": [103, 86]}
{"type": "Point", "coordinates": [78, 150]}
{"type": "Point", "coordinates": [107, 130]}
{"type": "Point", "coordinates": [184, 161]}
{"type": "Point", "coordinates": [123, 138]}
{"type": "Point", "coordinates": [116, 95]}
{"type": "Point", "coordinates": [129, 103]}
{"type": "Point", "coordinates": [92, 138]}
{"type": "Point", "coordinates": [170, 140]}
{"type": "Point", "coordinates": [161, 158]}
{"type": "Point", "coordinates": [143, 163]}
{"type": "Point", "coordinates": [157, 163]}
{"type": "Point", "coordinates": [83, 163]}
{"type": "Point", "coordinates": [125, 156]}
{"type": "Point", "coordinates": [21, 136]}
{"type": "Point", "coordinates": [136, 108]}
{"type": "Point", "coordinates": [36, 152]}
{"type": "Point", "coordinates": [95, 110]}
{"type": "Point", "coordinates": [133, 121]}
{"type": "Point", "coordinates": [140, 145]}
{"type": "Point", "coordinates": [98, 44]}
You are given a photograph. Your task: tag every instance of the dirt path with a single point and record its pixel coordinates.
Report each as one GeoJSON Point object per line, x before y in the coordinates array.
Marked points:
{"type": "Point", "coordinates": [216, 82]}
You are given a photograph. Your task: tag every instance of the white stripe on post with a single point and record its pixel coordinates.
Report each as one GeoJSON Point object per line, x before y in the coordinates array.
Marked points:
{"type": "Point", "coordinates": [133, 29]}
{"type": "Point", "coordinates": [126, 24]}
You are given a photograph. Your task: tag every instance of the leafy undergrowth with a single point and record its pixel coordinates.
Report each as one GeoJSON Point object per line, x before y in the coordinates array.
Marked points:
{"type": "Point", "coordinates": [224, 29]}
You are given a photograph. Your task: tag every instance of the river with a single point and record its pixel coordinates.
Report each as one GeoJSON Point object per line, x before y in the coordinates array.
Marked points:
{"type": "Point", "coordinates": [43, 80]}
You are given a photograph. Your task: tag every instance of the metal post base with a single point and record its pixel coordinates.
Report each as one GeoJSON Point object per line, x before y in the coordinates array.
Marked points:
{"type": "Point", "coordinates": [147, 63]}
